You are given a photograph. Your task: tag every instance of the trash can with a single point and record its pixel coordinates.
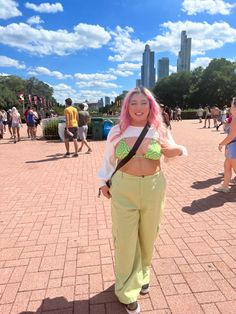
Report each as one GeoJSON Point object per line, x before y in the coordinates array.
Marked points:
{"type": "Point", "coordinates": [97, 128]}
{"type": "Point", "coordinates": [61, 127]}
{"type": "Point", "coordinates": [107, 125]}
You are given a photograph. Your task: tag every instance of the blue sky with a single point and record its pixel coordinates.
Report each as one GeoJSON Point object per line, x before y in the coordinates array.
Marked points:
{"type": "Point", "coordinates": [90, 49]}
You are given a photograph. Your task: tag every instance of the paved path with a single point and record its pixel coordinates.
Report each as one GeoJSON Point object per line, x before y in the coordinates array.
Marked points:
{"type": "Point", "coordinates": [56, 254]}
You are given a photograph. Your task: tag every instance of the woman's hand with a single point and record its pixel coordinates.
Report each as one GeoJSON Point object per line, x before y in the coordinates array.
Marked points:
{"type": "Point", "coordinates": [220, 146]}
{"type": "Point", "coordinates": [171, 152]}
{"type": "Point", "coordinates": [105, 191]}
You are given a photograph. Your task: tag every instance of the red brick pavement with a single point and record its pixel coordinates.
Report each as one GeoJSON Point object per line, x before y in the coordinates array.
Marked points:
{"type": "Point", "coordinates": [56, 253]}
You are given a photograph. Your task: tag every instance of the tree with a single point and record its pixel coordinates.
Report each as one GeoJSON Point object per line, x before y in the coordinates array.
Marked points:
{"type": "Point", "coordinates": [218, 82]}
{"type": "Point", "coordinates": [214, 85]}
{"type": "Point", "coordinates": [173, 90]}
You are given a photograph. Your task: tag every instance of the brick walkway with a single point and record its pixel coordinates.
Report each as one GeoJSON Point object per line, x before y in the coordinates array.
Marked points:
{"type": "Point", "coordinates": [55, 234]}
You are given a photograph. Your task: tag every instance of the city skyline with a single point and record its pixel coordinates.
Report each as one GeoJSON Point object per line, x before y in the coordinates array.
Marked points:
{"type": "Point", "coordinates": [163, 68]}
{"type": "Point", "coordinates": [148, 71]}
{"type": "Point", "coordinates": [89, 54]}
{"type": "Point", "coordinates": [184, 56]}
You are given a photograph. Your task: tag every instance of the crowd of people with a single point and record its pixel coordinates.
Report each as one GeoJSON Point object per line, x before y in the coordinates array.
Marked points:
{"type": "Point", "coordinates": [12, 119]}
{"type": "Point", "coordinates": [131, 175]}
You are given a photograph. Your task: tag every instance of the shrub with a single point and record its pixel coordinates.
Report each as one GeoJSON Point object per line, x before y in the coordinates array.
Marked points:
{"type": "Point", "coordinates": [50, 130]}
{"type": "Point", "coordinates": [189, 114]}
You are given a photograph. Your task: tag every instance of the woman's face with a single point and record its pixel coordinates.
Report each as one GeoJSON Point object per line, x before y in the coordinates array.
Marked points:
{"type": "Point", "coordinates": [139, 109]}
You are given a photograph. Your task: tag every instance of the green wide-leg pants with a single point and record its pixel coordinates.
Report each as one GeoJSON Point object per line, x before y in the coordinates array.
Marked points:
{"type": "Point", "coordinates": [137, 208]}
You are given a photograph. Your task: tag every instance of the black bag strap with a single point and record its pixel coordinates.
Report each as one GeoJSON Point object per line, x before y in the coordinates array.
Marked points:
{"type": "Point", "coordinates": [133, 149]}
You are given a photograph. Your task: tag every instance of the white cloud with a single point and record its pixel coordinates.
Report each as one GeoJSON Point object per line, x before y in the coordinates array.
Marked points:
{"type": "Point", "coordinates": [8, 62]}
{"type": "Point", "coordinates": [204, 36]}
{"type": "Point", "coordinates": [97, 84]}
{"type": "Point", "coordinates": [45, 7]}
{"type": "Point", "coordinates": [4, 74]}
{"type": "Point", "coordinates": [35, 20]}
{"type": "Point", "coordinates": [192, 7]}
{"type": "Point", "coordinates": [94, 95]}
{"type": "Point", "coordinates": [172, 69]}
{"type": "Point", "coordinates": [125, 69]}
{"type": "Point", "coordinates": [127, 66]}
{"type": "Point", "coordinates": [63, 91]}
{"type": "Point", "coordinates": [96, 80]}
{"type": "Point", "coordinates": [120, 72]}
{"type": "Point", "coordinates": [124, 47]}
{"type": "Point", "coordinates": [47, 42]}
{"type": "Point", "coordinates": [95, 77]}
{"type": "Point", "coordinates": [45, 71]}
{"type": "Point", "coordinates": [200, 62]}
{"type": "Point", "coordinates": [8, 9]}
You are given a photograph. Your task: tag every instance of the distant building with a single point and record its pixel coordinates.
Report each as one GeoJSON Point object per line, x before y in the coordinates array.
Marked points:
{"type": "Point", "coordinates": [138, 83]}
{"type": "Point", "coordinates": [107, 101]}
{"type": "Point", "coordinates": [163, 68]}
{"type": "Point", "coordinates": [148, 72]}
{"type": "Point", "coordinates": [94, 106]}
{"type": "Point", "coordinates": [184, 58]}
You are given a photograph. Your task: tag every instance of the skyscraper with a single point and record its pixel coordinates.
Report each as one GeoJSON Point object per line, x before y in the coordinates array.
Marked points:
{"type": "Point", "coordinates": [163, 68]}
{"type": "Point", "coordinates": [184, 58]}
{"type": "Point", "coordinates": [147, 69]}
{"type": "Point", "coordinates": [107, 100]}
{"type": "Point", "coordinates": [138, 83]}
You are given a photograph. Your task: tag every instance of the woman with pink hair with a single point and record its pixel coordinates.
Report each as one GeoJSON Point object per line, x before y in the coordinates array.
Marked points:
{"type": "Point", "coordinates": [137, 191]}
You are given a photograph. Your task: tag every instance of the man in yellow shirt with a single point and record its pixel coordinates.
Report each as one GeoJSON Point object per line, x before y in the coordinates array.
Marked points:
{"type": "Point", "coordinates": [71, 130]}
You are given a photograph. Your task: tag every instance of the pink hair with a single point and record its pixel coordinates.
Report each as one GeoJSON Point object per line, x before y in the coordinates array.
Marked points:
{"type": "Point", "coordinates": [154, 117]}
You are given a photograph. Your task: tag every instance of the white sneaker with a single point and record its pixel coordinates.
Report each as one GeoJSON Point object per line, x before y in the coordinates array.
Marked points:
{"type": "Point", "coordinates": [145, 289]}
{"type": "Point", "coordinates": [221, 188]}
{"type": "Point", "coordinates": [129, 308]}
{"type": "Point", "coordinates": [221, 174]}
{"type": "Point", "coordinates": [232, 181]}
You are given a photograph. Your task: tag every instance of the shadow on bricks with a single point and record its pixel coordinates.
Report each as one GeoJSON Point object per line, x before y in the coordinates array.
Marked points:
{"type": "Point", "coordinates": [212, 201]}
{"type": "Point", "coordinates": [206, 183]}
{"type": "Point", "coordinates": [101, 303]}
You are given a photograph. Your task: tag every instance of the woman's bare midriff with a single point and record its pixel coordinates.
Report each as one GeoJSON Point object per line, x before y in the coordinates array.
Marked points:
{"type": "Point", "coordinates": [140, 166]}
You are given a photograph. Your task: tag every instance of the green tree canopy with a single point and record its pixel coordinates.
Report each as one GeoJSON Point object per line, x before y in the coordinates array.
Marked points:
{"type": "Point", "coordinates": [214, 85]}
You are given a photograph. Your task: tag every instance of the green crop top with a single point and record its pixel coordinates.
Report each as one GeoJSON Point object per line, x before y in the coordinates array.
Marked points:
{"type": "Point", "coordinates": [153, 152]}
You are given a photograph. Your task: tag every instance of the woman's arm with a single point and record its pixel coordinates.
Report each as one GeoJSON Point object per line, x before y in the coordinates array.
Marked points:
{"type": "Point", "coordinates": [230, 136]}
{"type": "Point", "coordinates": [172, 152]}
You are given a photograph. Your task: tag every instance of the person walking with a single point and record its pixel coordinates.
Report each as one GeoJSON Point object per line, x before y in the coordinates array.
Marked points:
{"type": "Point", "coordinates": [84, 118]}
{"type": "Point", "coordinates": [165, 116]}
{"type": "Point", "coordinates": [16, 124]}
{"type": "Point", "coordinates": [222, 117]}
{"type": "Point", "coordinates": [230, 152]}
{"type": "Point", "coordinates": [207, 111]}
{"type": "Point", "coordinates": [200, 113]}
{"type": "Point", "coordinates": [1, 124]}
{"type": "Point", "coordinates": [26, 120]}
{"type": "Point", "coordinates": [9, 122]}
{"type": "Point", "coordinates": [137, 190]}
{"type": "Point", "coordinates": [71, 129]}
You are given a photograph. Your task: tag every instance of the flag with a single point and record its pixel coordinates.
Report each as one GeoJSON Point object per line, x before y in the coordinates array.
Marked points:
{"type": "Point", "coordinates": [21, 96]}
{"type": "Point", "coordinates": [44, 105]}
{"type": "Point", "coordinates": [35, 100]}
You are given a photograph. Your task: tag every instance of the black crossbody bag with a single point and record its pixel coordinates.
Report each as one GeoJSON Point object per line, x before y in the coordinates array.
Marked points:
{"type": "Point", "coordinates": [130, 154]}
